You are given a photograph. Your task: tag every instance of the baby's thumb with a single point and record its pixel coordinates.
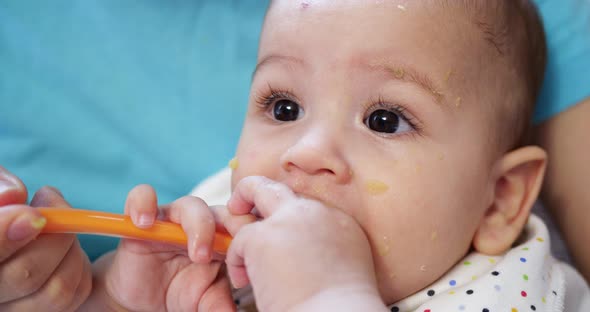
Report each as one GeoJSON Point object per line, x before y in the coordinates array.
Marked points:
{"type": "Point", "coordinates": [218, 297]}
{"type": "Point", "coordinates": [235, 258]}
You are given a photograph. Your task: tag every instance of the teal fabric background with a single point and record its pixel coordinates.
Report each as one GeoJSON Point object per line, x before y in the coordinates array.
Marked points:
{"type": "Point", "coordinates": [98, 96]}
{"type": "Point", "coordinates": [567, 79]}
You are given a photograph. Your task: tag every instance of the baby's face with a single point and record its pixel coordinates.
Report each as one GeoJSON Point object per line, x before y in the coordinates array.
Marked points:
{"type": "Point", "coordinates": [372, 107]}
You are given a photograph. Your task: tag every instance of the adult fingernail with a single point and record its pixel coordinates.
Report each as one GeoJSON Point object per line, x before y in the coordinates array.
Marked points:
{"type": "Point", "coordinates": [38, 223]}
{"type": "Point", "coordinates": [6, 186]}
{"type": "Point", "coordinates": [8, 182]}
{"type": "Point", "coordinates": [24, 227]}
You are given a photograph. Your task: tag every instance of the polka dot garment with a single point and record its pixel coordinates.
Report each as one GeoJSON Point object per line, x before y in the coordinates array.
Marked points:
{"type": "Point", "coordinates": [526, 278]}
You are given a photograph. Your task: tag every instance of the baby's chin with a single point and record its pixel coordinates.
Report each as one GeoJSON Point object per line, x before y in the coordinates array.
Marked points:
{"type": "Point", "coordinates": [396, 288]}
{"type": "Point", "coordinates": [397, 285]}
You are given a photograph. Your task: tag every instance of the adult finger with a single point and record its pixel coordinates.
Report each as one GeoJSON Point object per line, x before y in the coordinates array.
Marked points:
{"type": "Point", "coordinates": [27, 269]}
{"type": "Point", "coordinates": [66, 289]}
{"type": "Point", "coordinates": [12, 189]}
{"type": "Point", "coordinates": [19, 225]}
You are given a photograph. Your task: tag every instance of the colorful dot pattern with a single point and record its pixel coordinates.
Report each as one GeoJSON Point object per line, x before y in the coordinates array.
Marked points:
{"type": "Point", "coordinates": [523, 279]}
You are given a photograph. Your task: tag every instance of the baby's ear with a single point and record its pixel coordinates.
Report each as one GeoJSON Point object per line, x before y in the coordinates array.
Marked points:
{"type": "Point", "coordinates": [518, 177]}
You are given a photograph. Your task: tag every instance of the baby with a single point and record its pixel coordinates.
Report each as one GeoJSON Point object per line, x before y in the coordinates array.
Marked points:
{"type": "Point", "coordinates": [384, 155]}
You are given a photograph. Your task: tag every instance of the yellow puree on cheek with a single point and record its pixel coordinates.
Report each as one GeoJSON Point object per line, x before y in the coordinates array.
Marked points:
{"type": "Point", "coordinates": [376, 187]}
{"type": "Point", "coordinates": [233, 164]}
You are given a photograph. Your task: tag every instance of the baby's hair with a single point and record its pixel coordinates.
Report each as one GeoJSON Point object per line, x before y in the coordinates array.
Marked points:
{"type": "Point", "coordinates": [515, 33]}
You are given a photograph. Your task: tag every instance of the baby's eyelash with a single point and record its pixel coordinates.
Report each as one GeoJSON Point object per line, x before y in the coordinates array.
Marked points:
{"type": "Point", "coordinates": [380, 103]}
{"type": "Point", "coordinates": [266, 98]}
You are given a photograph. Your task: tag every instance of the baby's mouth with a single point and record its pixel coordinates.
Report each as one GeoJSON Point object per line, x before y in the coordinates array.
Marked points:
{"type": "Point", "coordinates": [314, 190]}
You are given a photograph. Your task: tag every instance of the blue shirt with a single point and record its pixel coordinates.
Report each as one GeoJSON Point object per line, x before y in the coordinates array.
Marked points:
{"type": "Point", "coordinates": [567, 79]}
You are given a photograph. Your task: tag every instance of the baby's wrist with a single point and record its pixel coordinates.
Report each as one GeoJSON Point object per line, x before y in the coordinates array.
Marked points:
{"type": "Point", "coordinates": [351, 298]}
{"type": "Point", "coordinates": [100, 298]}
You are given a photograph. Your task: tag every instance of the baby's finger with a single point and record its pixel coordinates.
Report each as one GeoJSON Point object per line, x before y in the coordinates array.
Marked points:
{"type": "Point", "coordinates": [198, 222]}
{"type": "Point", "coordinates": [217, 296]}
{"type": "Point", "coordinates": [230, 222]}
{"type": "Point", "coordinates": [259, 192]}
{"type": "Point", "coordinates": [12, 189]}
{"type": "Point", "coordinates": [142, 206]}
{"type": "Point", "coordinates": [19, 225]}
{"type": "Point", "coordinates": [236, 266]}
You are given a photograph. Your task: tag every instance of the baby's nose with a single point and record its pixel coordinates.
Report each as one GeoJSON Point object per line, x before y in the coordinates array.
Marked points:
{"type": "Point", "coordinates": [317, 154]}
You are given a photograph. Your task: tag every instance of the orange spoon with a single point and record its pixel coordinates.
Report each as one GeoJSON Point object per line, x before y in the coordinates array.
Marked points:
{"type": "Point", "coordinates": [65, 220]}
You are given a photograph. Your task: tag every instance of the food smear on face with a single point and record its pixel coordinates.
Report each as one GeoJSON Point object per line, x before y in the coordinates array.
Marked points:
{"type": "Point", "coordinates": [448, 75]}
{"type": "Point", "coordinates": [375, 187]}
{"type": "Point", "coordinates": [433, 236]}
{"type": "Point", "coordinates": [437, 95]}
{"type": "Point", "coordinates": [298, 184]}
{"type": "Point", "coordinates": [233, 164]}
{"type": "Point", "coordinates": [384, 247]}
{"type": "Point", "coordinates": [319, 189]}
{"type": "Point", "coordinates": [398, 73]}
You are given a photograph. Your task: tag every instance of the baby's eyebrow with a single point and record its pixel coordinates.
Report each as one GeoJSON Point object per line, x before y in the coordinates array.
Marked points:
{"type": "Point", "coordinates": [396, 72]}
{"type": "Point", "coordinates": [410, 74]}
{"type": "Point", "coordinates": [275, 58]}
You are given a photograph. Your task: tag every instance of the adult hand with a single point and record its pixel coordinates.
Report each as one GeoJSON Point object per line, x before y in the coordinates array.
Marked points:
{"type": "Point", "coordinates": [49, 270]}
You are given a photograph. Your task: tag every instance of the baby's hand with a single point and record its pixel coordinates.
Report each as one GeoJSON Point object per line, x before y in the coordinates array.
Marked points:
{"type": "Point", "coordinates": [48, 271]}
{"type": "Point", "coordinates": [303, 255]}
{"type": "Point", "coordinates": [148, 276]}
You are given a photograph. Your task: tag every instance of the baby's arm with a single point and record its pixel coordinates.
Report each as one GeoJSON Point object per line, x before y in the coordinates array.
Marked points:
{"type": "Point", "coordinates": [565, 193]}
{"type": "Point", "coordinates": [303, 256]}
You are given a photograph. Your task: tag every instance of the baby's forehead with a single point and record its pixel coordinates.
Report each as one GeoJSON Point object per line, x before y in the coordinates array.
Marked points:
{"type": "Point", "coordinates": [429, 34]}
{"type": "Point", "coordinates": [454, 29]}
{"type": "Point", "coordinates": [482, 18]}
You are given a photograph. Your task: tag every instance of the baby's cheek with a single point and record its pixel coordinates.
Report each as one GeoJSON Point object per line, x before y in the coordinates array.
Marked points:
{"type": "Point", "coordinates": [248, 163]}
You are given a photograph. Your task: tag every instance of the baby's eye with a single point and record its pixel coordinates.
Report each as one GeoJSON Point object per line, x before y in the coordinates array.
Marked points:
{"type": "Point", "coordinates": [286, 110]}
{"type": "Point", "coordinates": [386, 121]}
